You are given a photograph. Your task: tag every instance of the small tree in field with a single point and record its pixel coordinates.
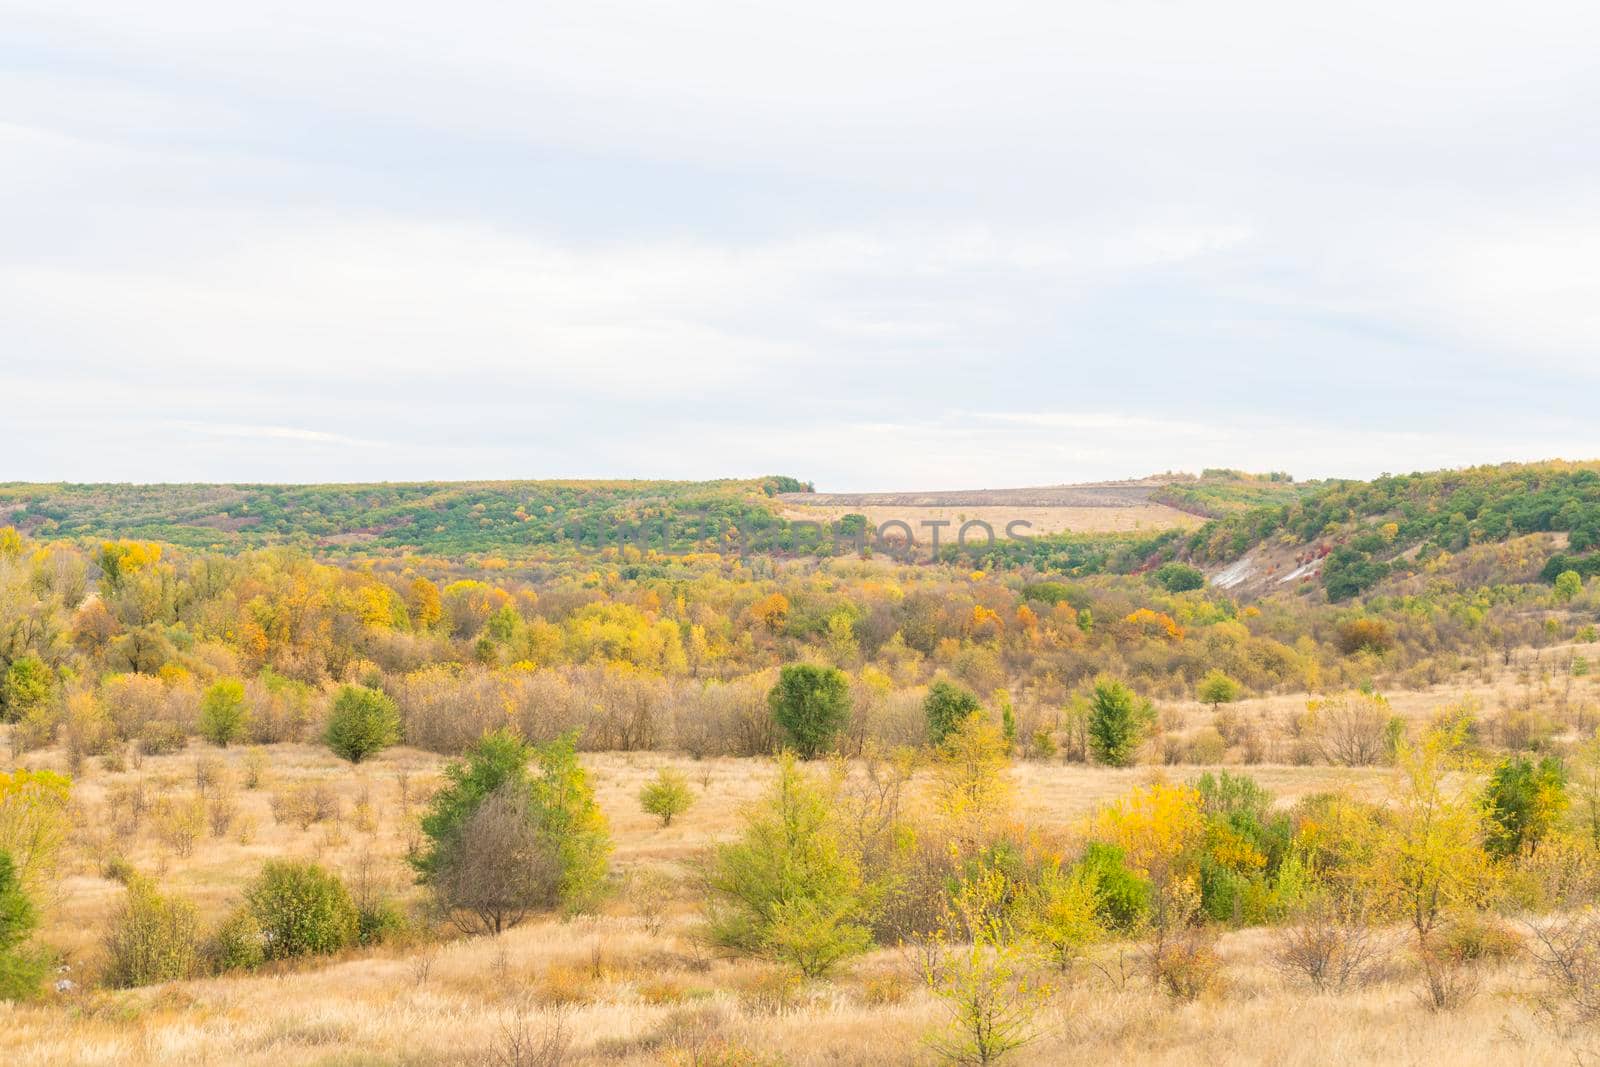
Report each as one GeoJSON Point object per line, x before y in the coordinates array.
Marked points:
{"type": "Point", "coordinates": [945, 707]}
{"type": "Point", "coordinates": [667, 797]}
{"type": "Point", "coordinates": [363, 722]}
{"type": "Point", "coordinates": [789, 889]}
{"type": "Point", "coordinates": [1217, 689]}
{"type": "Point", "coordinates": [812, 704]}
{"type": "Point", "coordinates": [224, 716]}
{"type": "Point", "coordinates": [20, 969]}
{"type": "Point", "coordinates": [503, 842]}
{"type": "Point", "coordinates": [1117, 721]}
{"type": "Point", "coordinates": [303, 910]}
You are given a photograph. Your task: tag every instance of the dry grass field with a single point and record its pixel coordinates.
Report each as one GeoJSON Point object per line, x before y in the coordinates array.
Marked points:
{"type": "Point", "coordinates": [633, 984]}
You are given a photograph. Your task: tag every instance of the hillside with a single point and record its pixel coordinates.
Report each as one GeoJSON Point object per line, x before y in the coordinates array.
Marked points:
{"type": "Point", "coordinates": [435, 517]}
{"type": "Point", "coordinates": [1349, 537]}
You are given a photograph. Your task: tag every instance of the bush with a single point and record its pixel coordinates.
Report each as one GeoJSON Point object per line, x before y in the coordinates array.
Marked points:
{"type": "Point", "coordinates": [21, 971]}
{"type": "Point", "coordinates": [945, 707]}
{"type": "Point", "coordinates": [1179, 577]}
{"type": "Point", "coordinates": [789, 889]}
{"type": "Point", "coordinates": [152, 938]}
{"type": "Point", "coordinates": [239, 944]}
{"type": "Point", "coordinates": [162, 738]}
{"type": "Point", "coordinates": [502, 842]}
{"type": "Point", "coordinates": [303, 910]}
{"type": "Point", "coordinates": [224, 718]}
{"type": "Point", "coordinates": [362, 723]}
{"type": "Point", "coordinates": [667, 797]}
{"type": "Point", "coordinates": [1522, 802]}
{"type": "Point", "coordinates": [812, 705]}
{"type": "Point", "coordinates": [1216, 689]}
{"type": "Point", "coordinates": [1117, 721]}
{"type": "Point", "coordinates": [1329, 942]}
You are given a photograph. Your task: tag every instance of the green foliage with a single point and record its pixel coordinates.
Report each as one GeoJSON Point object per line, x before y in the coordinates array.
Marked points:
{"type": "Point", "coordinates": [1117, 722]}
{"type": "Point", "coordinates": [21, 970]}
{"type": "Point", "coordinates": [564, 827]}
{"type": "Point", "coordinates": [812, 704]}
{"type": "Point", "coordinates": [1568, 585]}
{"type": "Point", "coordinates": [1522, 802]}
{"type": "Point", "coordinates": [303, 910]}
{"type": "Point", "coordinates": [1061, 912]}
{"type": "Point", "coordinates": [1216, 689]}
{"type": "Point", "coordinates": [152, 938]}
{"type": "Point", "coordinates": [1179, 577]}
{"type": "Point", "coordinates": [362, 723]}
{"type": "Point", "coordinates": [667, 797]}
{"type": "Point", "coordinates": [239, 944]}
{"type": "Point", "coordinates": [25, 684]}
{"type": "Point", "coordinates": [224, 718]}
{"type": "Point", "coordinates": [790, 888]}
{"type": "Point", "coordinates": [946, 706]}
{"type": "Point", "coordinates": [1122, 896]}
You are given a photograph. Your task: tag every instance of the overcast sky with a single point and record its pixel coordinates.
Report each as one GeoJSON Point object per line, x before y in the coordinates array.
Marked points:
{"type": "Point", "coordinates": [875, 244]}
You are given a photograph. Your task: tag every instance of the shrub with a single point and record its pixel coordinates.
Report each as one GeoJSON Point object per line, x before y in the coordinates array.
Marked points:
{"type": "Point", "coordinates": [1329, 942]}
{"type": "Point", "coordinates": [1351, 729]}
{"type": "Point", "coordinates": [503, 842]}
{"type": "Point", "coordinates": [1117, 721]}
{"type": "Point", "coordinates": [162, 737]}
{"type": "Point", "coordinates": [1217, 689]}
{"type": "Point", "coordinates": [152, 938]}
{"type": "Point", "coordinates": [946, 706]}
{"type": "Point", "coordinates": [667, 797]}
{"type": "Point", "coordinates": [239, 944]}
{"type": "Point", "coordinates": [224, 717]}
{"type": "Point", "coordinates": [20, 970]}
{"type": "Point", "coordinates": [1179, 577]}
{"type": "Point", "coordinates": [1061, 913]}
{"type": "Point", "coordinates": [303, 910]}
{"type": "Point", "coordinates": [1522, 802]}
{"type": "Point", "coordinates": [1187, 965]}
{"type": "Point", "coordinates": [362, 723]}
{"type": "Point", "coordinates": [789, 889]}
{"type": "Point", "coordinates": [812, 705]}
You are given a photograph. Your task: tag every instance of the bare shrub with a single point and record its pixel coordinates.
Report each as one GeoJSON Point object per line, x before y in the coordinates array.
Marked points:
{"type": "Point", "coordinates": [1349, 729]}
{"type": "Point", "coordinates": [1330, 943]}
{"type": "Point", "coordinates": [1566, 952]}
{"type": "Point", "coordinates": [1186, 964]}
{"type": "Point", "coordinates": [502, 869]}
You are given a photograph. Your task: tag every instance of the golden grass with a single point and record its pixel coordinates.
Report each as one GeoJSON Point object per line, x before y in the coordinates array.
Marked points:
{"type": "Point", "coordinates": [633, 986]}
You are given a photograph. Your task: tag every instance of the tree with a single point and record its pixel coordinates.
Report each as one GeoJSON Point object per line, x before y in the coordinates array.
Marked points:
{"type": "Point", "coordinates": [1179, 577]}
{"type": "Point", "coordinates": [224, 717]}
{"type": "Point", "coordinates": [24, 685]}
{"type": "Point", "coordinates": [1061, 913]}
{"type": "Point", "coordinates": [1568, 585]}
{"type": "Point", "coordinates": [152, 938]}
{"type": "Point", "coordinates": [812, 704]}
{"type": "Point", "coordinates": [363, 722]}
{"type": "Point", "coordinates": [34, 821]}
{"type": "Point", "coordinates": [945, 707]}
{"type": "Point", "coordinates": [789, 889]}
{"type": "Point", "coordinates": [1217, 689]}
{"type": "Point", "coordinates": [303, 910]}
{"type": "Point", "coordinates": [667, 797]}
{"type": "Point", "coordinates": [503, 842]}
{"type": "Point", "coordinates": [971, 787]}
{"type": "Point", "coordinates": [1117, 721]}
{"type": "Point", "coordinates": [20, 969]}
{"type": "Point", "coordinates": [1522, 802]}
{"type": "Point", "coordinates": [1351, 729]}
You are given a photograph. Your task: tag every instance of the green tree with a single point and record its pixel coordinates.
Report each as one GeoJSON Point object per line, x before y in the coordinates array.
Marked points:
{"type": "Point", "coordinates": [667, 797]}
{"type": "Point", "coordinates": [303, 910]}
{"type": "Point", "coordinates": [1522, 802]}
{"type": "Point", "coordinates": [812, 704]}
{"type": "Point", "coordinates": [1217, 689]}
{"type": "Point", "coordinates": [1117, 721]}
{"type": "Point", "coordinates": [1179, 577]}
{"type": "Point", "coordinates": [502, 841]}
{"type": "Point", "coordinates": [362, 723]}
{"type": "Point", "coordinates": [946, 706]}
{"type": "Point", "coordinates": [1568, 585]}
{"type": "Point", "coordinates": [790, 889]}
{"type": "Point", "coordinates": [224, 717]}
{"type": "Point", "coordinates": [25, 685]}
{"type": "Point", "coordinates": [152, 938]}
{"type": "Point", "coordinates": [21, 970]}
